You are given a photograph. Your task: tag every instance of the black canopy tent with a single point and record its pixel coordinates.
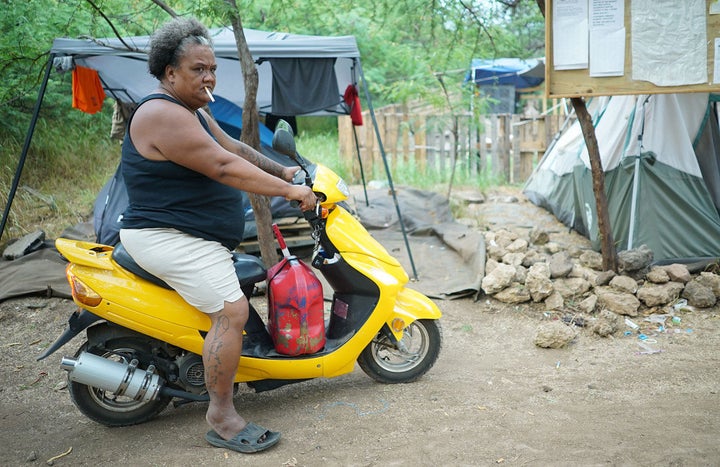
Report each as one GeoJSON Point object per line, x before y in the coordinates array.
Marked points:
{"type": "Point", "coordinates": [297, 75]}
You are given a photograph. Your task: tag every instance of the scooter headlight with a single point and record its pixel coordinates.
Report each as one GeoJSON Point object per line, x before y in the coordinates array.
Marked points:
{"type": "Point", "coordinates": [342, 187]}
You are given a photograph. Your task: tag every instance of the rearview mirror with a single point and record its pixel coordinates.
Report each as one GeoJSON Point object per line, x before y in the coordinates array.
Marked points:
{"type": "Point", "coordinates": [284, 125]}
{"type": "Point", "coordinates": [283, 140]}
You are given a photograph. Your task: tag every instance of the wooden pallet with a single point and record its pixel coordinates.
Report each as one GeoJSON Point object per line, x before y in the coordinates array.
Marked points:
{"type": "Point", "coordinates": [296, 232]}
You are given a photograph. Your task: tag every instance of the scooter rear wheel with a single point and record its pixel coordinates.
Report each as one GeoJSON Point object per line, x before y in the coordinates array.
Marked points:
{"type": "Point", "coordinates": [384, 361]}
{"type": "Point", "coordinates": [107, 408]}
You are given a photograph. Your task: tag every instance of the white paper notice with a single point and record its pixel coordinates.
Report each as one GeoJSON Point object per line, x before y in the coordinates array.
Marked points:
{"type": "Point", "coordinates": [669, 42]}
{"type": "Point", "coordinates": [607, 38]}
{"type": "Point", "coordinates": [607, 14]}
{"type": "Point", "coordinates": [570, 34]}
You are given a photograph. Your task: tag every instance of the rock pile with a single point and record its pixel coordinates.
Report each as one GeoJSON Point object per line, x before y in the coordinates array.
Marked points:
{"type": "Point", "coordinates": [530, 268]}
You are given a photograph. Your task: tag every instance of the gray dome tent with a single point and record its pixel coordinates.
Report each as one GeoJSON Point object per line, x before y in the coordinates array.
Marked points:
{"type": "Point", "coordinates": [661, 158]}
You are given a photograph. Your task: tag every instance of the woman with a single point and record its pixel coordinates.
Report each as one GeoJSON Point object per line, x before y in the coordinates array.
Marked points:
{"type": "Point", "coordinates": [185, 216]}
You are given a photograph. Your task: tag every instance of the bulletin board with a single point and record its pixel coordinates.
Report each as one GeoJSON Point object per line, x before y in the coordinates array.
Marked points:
{"type": "Point", "coordinates": [614, 47]}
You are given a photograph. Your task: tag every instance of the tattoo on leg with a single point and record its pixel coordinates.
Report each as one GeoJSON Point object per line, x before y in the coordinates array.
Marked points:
{"type": "Point", "coordinates": [214, 347]}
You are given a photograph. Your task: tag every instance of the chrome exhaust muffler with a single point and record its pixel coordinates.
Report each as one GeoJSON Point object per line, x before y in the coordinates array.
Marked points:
{"type": "Point", "coordinates": [120, 378]}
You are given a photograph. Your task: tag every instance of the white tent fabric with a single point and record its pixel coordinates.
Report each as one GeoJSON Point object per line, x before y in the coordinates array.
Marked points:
{"type": "Point", "coordinates": [660, 154]}
{"type": "Point", "coordinates": [618, 122]}
{"type": "Point", "coordinates": [124, 71]}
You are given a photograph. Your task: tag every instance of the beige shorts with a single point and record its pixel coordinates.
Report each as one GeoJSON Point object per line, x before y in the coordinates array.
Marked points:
{"type": "Point", "coordinates": [201, 271]}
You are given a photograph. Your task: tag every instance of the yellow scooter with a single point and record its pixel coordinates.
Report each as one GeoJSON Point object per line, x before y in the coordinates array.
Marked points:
{"type": "Point", "coordinates": [144, 341]}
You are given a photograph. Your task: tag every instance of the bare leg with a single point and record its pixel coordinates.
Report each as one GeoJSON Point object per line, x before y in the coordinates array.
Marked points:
{"type": "Point", "coordinates": [221, 352]}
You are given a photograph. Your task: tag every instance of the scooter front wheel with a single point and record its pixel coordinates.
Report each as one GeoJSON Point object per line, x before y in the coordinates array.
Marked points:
{"type": "Point", "coordinates": [387, 362]}
{"type": "Point", "coordinates": [110, 409]}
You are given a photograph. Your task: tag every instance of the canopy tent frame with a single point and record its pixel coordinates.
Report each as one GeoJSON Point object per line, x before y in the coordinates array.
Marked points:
{"type": "Point", "coordinates": [268, 44]}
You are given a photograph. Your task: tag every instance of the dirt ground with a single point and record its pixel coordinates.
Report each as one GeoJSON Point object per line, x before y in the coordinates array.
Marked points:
{"type": "Point", "coordinates": [493, 398]}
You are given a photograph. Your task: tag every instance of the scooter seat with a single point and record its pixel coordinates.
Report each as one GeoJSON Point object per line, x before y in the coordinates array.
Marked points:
{"type": "Point", "coordinates": [249, 269]}
{"type": "Point", "coordinates": [123, 258]}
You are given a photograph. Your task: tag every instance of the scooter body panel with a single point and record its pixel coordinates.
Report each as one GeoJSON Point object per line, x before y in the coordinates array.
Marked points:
{"type": "Point", "coordinates": [411, 305]}
{"type": "Point", "coordinates": [350, 237]}
{"type": "Point", "coordinates": [88, 253]}
{"type": "Point", "coordinates": [149, 308]}
{"type": "Point", "coordinates": [137, 304]}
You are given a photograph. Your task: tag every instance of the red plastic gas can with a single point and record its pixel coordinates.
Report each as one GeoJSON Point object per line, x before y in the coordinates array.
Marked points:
{"type": "Point", "coordinates": [296, 318]}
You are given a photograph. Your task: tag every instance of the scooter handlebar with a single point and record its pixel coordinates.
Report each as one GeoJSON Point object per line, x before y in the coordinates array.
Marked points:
{"type": "Point", "coordinates": [312, 214]}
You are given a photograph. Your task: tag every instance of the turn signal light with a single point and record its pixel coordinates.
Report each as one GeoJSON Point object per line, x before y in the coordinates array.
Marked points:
{"type": "Point", "coordinates": [81, 292]}
{"type": "Point", "coordinates": [398, 324]}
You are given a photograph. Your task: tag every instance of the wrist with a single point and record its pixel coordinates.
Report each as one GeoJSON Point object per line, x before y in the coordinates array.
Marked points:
{"type": "Point", "coordinates": [288, 174]}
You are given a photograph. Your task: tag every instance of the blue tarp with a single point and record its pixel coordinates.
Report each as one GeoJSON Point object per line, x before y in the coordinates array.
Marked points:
{"type": "Point", "coordinates": [229, 116]}
{"type": "Point", "coordinates": [517, 72]}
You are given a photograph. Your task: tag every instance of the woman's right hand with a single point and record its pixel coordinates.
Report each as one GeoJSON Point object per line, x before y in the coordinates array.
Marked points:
{"type": "Point", "coordinates": [303, 195]}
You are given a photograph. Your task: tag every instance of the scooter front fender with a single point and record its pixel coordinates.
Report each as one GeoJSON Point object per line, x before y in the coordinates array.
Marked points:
{"type": "Point", "coordinates": [411, 305]}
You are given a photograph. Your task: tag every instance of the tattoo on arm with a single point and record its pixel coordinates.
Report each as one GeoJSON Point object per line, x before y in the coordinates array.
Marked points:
{"type": "Point", "coordinates": [262, 162]}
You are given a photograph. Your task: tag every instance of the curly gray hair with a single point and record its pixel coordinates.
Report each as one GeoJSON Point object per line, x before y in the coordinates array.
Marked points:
{"type": "Point", "coordinates": [169, 43]}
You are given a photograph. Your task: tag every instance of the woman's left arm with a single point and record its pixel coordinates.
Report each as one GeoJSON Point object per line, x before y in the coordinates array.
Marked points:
{"type": "Point", "coordinates": [248, 153]}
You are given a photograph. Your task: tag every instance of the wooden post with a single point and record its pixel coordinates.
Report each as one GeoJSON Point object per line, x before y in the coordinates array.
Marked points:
{"type": "Point", "coordinates": [391, 138]}
{"type": "Point", "coordinates": [504, 147]}
{"type": "Point", "coordinates": [514, 145]}
{"type": "Point", "coordinates": [493, 159]}
{"type": "Point", "coordinates": [405, 132]}
{"type": "Point", "coordinates": [607, 244]}
{"type": "Point", "coordinates": [251, 137]}
{"type": "Point", "coordinates": [347, 148]}
{"type": "Point", "coordinates": [432, 145]}
{"type": "Point", "coordinates": [482, 151]}
{"type": "Point", "coordinates": [369, 155]}
{"type": "Point", "coordinates": [421, 143]}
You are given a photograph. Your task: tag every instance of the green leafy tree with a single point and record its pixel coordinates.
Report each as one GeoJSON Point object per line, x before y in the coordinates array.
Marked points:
{"type": "Point", "coordinates": [404, 44]}
{"type": "Point", "coordinates": [411, 49]}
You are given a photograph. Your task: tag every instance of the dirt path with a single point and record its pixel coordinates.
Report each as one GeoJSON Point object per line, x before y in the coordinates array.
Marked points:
{"type": "Point", "coordinates": [492, 398]}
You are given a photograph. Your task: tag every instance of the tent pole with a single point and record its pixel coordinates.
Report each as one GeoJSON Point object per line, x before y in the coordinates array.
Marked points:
{"type": "Point", "coordinates": [636, 177]}
{"type": "Point", "coordinates": [362, 171]}
{"type": "Point", "coordinates": [633, 203]}
{"type": "Point", "coordinates": [26, 146]}
{"type": "Point", "coordinates": [387, 171]}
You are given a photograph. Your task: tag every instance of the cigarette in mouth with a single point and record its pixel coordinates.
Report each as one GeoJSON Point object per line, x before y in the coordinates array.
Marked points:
{"type": "Point", "coordinates": [207, 90]}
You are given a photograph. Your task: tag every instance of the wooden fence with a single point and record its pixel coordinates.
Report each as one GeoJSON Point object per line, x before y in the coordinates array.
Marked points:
{"type": "Point", "coordinates": [503, 146]}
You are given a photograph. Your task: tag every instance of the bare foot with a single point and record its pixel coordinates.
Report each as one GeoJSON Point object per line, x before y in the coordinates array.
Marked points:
{"type": "Point", "coordinates": [226, 423]}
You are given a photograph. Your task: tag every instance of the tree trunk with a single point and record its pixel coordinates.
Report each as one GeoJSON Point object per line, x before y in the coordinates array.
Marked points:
{"type": "Point", "coordinates": [251, 136]}
{"type": "Point", "coordinates": [607, 243]}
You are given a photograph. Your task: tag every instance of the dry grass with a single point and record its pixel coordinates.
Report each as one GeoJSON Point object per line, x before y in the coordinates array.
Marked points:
{"type": "Point", "coordinates": [63, 172]}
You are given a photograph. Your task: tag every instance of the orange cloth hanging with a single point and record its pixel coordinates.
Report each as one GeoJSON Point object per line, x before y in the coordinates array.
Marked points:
{"type": "Point", "coordinates": [87, 90]}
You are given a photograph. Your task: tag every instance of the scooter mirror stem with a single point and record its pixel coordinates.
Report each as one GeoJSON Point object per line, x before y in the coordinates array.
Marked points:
{"type": "Point", "coordinates": [284, 142]}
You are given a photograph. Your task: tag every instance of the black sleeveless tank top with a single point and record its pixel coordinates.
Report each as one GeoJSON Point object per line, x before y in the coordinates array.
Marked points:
{"type": "Point", "coordinates": [166, 194]}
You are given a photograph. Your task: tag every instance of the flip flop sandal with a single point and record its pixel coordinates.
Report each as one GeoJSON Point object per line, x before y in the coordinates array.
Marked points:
{"type": "Point", "coordinates": [247, 441]}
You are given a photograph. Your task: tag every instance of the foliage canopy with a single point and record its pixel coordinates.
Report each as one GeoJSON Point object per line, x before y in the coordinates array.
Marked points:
{"type": "Point", "coordinates": [410, 49]}
{"type": "Point", "coordinates": [405, 44]}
